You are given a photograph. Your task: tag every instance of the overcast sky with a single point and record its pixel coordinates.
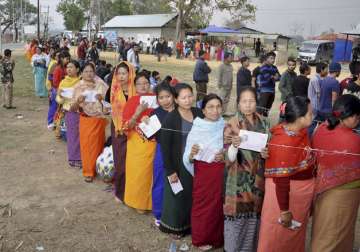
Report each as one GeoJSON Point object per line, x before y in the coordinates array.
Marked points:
{"type": "Point", "coordinates": [280, 16]}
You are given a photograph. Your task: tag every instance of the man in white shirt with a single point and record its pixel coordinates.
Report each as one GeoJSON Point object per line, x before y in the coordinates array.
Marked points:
{"type": "Point", "coordinates": [133, 57]}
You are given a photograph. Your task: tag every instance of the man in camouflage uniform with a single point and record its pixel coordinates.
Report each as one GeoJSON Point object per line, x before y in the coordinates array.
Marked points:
{"type": "Point", "coordinates": [6, 70]}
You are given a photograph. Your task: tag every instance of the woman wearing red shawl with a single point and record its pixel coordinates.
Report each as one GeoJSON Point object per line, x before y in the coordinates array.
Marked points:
{"type": "Point", "coordinates": [140, 152]}
{"type": "Point", "coordinates": [122, 89]}
{"type": "Point", "coordinates": [337, 184]}
{"type": "Point", "coordinates": [289, 183]}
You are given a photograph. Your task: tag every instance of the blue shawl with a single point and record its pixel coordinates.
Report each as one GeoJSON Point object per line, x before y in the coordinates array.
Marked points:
{"type": "Point", "coordinates": [204, 133]}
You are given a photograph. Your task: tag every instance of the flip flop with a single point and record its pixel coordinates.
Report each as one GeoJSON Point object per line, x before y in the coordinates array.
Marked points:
{"type": "Point", "coordinates": [89, 179]}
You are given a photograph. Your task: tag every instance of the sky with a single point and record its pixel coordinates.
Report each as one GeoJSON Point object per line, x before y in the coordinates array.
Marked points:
{"type": "Point", "coordinates": [277, 16]}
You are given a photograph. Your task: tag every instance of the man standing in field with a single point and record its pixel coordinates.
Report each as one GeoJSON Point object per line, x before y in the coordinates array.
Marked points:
{"type": "Point", "coordinates": [243, 76]}
{"type": "Point", "coordinates": [287, 80]}
{"type": "Point", "coordinates": [267, 77]}
{"type": "Point", "coordinates": [7, 66]}
{"type": "Point", "coordinates": [201, 76]}
{"type": "Point", "coordinates": [225, 80]}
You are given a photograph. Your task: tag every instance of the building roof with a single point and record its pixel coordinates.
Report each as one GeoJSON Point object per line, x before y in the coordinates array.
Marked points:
{"type": "Point", "coordinates": [140, 21]}
{"type": "Point", "coordinates": [247, 30]}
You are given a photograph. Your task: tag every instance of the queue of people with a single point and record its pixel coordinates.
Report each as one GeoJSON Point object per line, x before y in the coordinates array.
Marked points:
{"type": "Point", "coordinates": [231, 196]}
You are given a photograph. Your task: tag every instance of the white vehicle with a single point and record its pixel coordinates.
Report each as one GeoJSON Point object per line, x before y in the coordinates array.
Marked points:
{"type": "Point", "coordinates": [315, 51]}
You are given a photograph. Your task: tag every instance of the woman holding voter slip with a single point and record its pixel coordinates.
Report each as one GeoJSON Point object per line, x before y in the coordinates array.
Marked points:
{"type": "Point", "coordinates": [88, 97]}
{"type": "Point", "coordinates": [244, 183]}
{"type": "Point", "coordinates": [122, 89]}
{"type": "Point", "coordinates": [165, 98]}
{"type": "Point", "coordinates": [204, 160]}
{"type": "Point", "coordinates": [289, 183]}
{"type": "Point", "coordinates": [140, 151]}
{"type": "Point", "coordinates": [176, 212]}
{"type": "Point", "coordinates": [63, 98]}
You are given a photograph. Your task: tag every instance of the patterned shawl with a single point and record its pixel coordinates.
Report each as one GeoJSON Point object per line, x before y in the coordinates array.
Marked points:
{"type": "Point", "coordinates": [245, 177]}
{"type": "Point", "coordinates": [117, 97]}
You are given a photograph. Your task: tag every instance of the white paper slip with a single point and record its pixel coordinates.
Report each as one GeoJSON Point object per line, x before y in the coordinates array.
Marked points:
{"type": "Point", "coordinates": [150, 100]}
{"type": "Point", "coordinates": [151, 127]}
{"type": "Point", "coordinates": [251, 140]}
{"type": "Point", "coordinates": [294, 224]}
{"type": "Point", "coordinates": [67, 93]}
{"type": "Point", "coordinates": [176, 187]}
{"type": "Point", "coordinates": [106, 104]}
{"type": "Point", "coordinates": [206, 154]}
{"type": "Point", "coordinates": [90, 95]}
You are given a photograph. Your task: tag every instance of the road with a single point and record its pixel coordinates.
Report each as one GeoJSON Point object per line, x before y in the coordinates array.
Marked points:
{"type": "Point", "coordinates": [11, 46]}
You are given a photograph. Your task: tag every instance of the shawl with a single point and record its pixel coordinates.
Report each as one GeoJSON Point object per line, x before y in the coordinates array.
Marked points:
{"type": "Point", "coordinates": [49, 73]}
{"type": "Point", "coordinates": [245, 176]}
{"type": "Point", "coordinates": [129, 111]}
{"type": "Point", "coordinates": [287, 161]}
{"type": "Point", "coordinates": [94, 109]}
{"type": "Point", "coordinates": [336, 169]}
{"type": "Point", "coordinates": [117, 97]}
{"type": "Point", "coordinates": [68, 82]}
{"type": "Point", "coordinates": [205, 134]}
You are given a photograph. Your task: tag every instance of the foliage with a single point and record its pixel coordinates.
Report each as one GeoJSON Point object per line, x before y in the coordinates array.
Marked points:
{"type": "Point", "coordinates": [151, 6]}
{"type": "Point", "coordinates": [74, 17]}
{"type": "Point", "coordinates": [10, 11]}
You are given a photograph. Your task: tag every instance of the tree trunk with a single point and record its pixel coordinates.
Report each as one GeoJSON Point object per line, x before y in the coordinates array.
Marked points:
{"type": "Point", "coordinates": [179, 22]}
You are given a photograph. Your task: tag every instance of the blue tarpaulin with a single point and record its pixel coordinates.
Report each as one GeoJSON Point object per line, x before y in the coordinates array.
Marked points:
{"type": "Point", "coordinates": [217, 29]}
{"type": "Point", "coordinates": [342, 51]}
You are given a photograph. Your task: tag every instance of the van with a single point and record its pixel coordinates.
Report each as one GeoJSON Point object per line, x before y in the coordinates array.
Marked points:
{"type": "Point", "coordinates": [316, 51]}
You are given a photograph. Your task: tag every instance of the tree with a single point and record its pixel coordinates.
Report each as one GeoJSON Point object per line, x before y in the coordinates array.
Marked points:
{"type": "Point", "coordinates": [186, 9]}
{"type": "Point", "coordinates": [74, 17]}
{"type": "Point", "coordinates": [10, 12]}
{"type": "Point", "coordinates": [297, 28]}
{"type": "Point", "coordinates": [101, 10]}
{"type": "Point", "coordinates": [151, 6]}
{"type": "Point", "coordinates": [234, 23]}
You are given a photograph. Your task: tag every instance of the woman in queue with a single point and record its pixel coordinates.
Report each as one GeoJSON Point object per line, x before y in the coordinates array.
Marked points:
{"type": "Point", "coordinates": [244, 183]}
{"type": "Point", "coordinates": [206, 138]}
{"type": "Point", "coordinates": [337, 185]}
{"type": "Point", "coordinates": [176, 212]}
{"type": "Point", "coordinates": [87, 99]}
{"type": "Point", "coordinates": [289, 183]}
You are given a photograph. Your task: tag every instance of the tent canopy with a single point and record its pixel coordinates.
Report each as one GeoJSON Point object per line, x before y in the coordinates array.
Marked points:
{"type": "Point", "coordinates": [217, 29]}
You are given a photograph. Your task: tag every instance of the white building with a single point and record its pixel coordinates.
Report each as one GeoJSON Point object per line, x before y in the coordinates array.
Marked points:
{"type": "Point", "coordinates": [142, 27]}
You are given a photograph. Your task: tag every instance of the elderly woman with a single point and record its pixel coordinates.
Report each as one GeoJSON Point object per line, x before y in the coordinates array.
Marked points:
{"type": "Point", "coordinates": [140, 152]}
{"type": "Point", "coordinates": [289, 184]}
{"type": "Point", "coordinates": [87, 99]}
{"type": "Point", "coordinates": [244, 183]}
{"type": "Point", "coordinates": [38, 62]}
{"type": "Point", "coordinates": [122, 89]}
{"type": "Point", "coordinates": [206, 138]}
{"type": "Point", "coordinates": [337, 185]}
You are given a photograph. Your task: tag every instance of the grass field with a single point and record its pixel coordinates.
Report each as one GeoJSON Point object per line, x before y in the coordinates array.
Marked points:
{"type": "Point", "coordinates": [44, 203]}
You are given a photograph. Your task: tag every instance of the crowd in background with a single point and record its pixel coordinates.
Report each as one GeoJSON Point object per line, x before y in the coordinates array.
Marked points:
{"type": "Point", "coordinates": [239, 198]}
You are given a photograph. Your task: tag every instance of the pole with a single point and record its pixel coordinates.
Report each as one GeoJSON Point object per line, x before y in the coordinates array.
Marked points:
{"type": "Point", "coordinates": [0, 37]}
{"type": "Point", "coordinates": [38, 19]}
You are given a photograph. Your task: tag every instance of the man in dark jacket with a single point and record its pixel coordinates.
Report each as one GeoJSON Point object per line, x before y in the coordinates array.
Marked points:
{"type": "Point", "coordinates": [201, 76]}
{"type": "Point", "coordinates": [243, 77]}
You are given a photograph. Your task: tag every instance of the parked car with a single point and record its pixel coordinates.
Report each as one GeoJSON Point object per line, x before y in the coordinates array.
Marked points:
{"type": "Point", "coordinates": [315, 51]}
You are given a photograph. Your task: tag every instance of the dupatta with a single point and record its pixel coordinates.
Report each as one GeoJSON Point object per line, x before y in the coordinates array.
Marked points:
{"type": "Point", "coordinates": [117, 97]}
{"type": "Point", "coordinates": [206, 134]}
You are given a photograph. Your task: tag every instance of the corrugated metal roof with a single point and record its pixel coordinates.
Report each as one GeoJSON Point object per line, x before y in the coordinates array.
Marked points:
{"type": "Point", "coordinates": [137, 21]}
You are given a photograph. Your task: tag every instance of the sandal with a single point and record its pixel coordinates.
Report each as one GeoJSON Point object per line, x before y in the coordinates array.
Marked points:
{"type": "Point", "coordinates": [89, 179]}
